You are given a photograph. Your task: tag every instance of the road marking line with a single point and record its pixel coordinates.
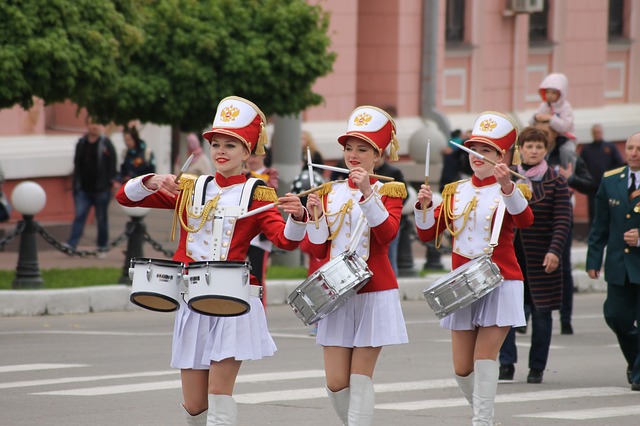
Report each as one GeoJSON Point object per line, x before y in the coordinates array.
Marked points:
{"type": "Point", "coordinates": [142, 387]}
{"type": "Point", "coordinates": [513, 397]}
{"type": "Point", "coordinates": [597, 413]}
{"type": "Point", "coordinates": [313, 393]}
{"type": "Point", "coordinates": [45, 382]}
{"type": "Point", "coordinates": [35, 367]}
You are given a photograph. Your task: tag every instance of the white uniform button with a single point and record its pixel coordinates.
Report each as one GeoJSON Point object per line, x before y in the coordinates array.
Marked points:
{"type": "Point", "coordinates": [203, 257]}
{"type": "Point", "coordinates": [206, 243]}
{"type": "Point", "coordinates": [189, 252]}
{"type": "Point", "coordinates": [223, 257]}
{"type": "Point", "coordinates": [487, 217]}
{"type": "Point", "coordinates": [228, 233]}
{"type": "Point", "coordinates": [365, 245]}
{"type": "Point", "coordinates": [486, 250]}
{"type": "Point", "coordinates": [190, 239]}
{"type": "Point", "coordinates": [225, 244]}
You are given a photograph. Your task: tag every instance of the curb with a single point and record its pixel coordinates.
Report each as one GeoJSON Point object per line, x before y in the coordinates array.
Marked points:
{"type": "Point", "coordinates": [115, 298]}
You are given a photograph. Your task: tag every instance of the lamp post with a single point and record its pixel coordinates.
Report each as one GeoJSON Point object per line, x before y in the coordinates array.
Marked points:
{"type": "Point", "coordinates": [136, 238]}
{"type": "Point", "coordinates": [28, 198]}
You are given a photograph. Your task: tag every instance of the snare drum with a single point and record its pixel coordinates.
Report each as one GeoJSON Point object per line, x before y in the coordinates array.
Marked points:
{"type": "Point", "coordinates": [329, 287]}
{"type": "Point", "coordinates": [155, 284]}
{"type": "Point", "coordinates": [218, 288]}
{"type": "Point", "coordinates": [463, 286]}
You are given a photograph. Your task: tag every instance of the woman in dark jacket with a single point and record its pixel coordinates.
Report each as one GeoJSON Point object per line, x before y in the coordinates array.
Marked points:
{"type": "Point", "coordinates": [539, 252]}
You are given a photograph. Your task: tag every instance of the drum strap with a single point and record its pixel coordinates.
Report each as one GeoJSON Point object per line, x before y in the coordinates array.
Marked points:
{"type": "Point", "coordinates": [497, 225]}
{"type": "Point", "coordinates": [357, 233]}
{"type": "Point", "coordinates": [223, 212]}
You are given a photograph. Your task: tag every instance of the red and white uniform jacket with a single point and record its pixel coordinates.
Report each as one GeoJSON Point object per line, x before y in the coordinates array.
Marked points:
{"type": "Point", "coordinates": [479, 199]}
{"type": "Point", "coordinates": [221, 236]}
{"type": "Point", "coordinates": [343, 206]}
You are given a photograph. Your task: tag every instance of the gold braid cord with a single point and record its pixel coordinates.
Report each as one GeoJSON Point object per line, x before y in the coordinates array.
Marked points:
{"type": "Point", "coordinates": [339, 217]}
{"type": "Point", "coordinates": [185, 204]}
{"type": "Point", "coordinates": [445, 212]}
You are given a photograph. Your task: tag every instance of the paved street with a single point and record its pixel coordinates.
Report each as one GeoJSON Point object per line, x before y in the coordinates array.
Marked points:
{"type": "Point", "coordinates": [112, 369]}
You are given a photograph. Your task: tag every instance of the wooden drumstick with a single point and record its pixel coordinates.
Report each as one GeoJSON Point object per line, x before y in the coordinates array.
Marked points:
{"type": "Point", "coordinates": [477, 154]}
{"type": "Point", "coordinates": [346, 171]}
{"type": "Point", "coordinates": [426, 177]}
{"type": "Point", "coordinates": [277, 203]}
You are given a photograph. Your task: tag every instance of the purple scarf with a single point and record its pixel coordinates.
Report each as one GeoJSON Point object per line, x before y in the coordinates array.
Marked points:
{"type": "Point", "coordinates": [534, 173]}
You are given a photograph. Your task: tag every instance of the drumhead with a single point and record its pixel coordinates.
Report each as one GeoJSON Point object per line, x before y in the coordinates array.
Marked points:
{"type": "Point", "coordinates": [219, 306]}
{"type": "Point", "coordinates": [154, 301]}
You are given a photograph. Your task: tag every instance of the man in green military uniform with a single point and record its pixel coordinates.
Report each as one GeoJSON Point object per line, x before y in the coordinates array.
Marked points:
{"type": "Point", "coordinates": [615, 226]}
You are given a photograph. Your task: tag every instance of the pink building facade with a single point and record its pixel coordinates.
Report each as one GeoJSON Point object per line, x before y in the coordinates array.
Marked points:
{"type": "Point", "coordinates": [486, 57]}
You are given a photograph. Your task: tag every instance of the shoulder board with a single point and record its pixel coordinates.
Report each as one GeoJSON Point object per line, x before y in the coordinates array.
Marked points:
{"type": "Point", "coordinates": [187, 181]}
{"type": "Point", "coordinates": [264, 193]}
{"type": "Point", "coordinates": [450, 188]}
{"type": "Point", "coordinates": [394, 190]}
{"type": "Point", "coordinates": [614, 171]}
{"type": "Point", "coordinates": [326, 188]}
{"type": "Point", "coordinates": [526, 191]}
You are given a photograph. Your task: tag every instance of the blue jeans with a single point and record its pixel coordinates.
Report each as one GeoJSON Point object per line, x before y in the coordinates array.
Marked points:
{"type": "Point", "coordinates": [83, 202]}
{"type": "Point", "coordinates": [541, 329]}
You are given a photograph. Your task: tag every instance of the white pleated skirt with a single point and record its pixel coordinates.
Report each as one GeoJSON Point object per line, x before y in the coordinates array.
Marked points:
{"type": "Point", "coordinates": [190, 332]}
{"type": "Point", "coordinates": [200, 339]}
{"type": "Point", "coordinates": [366, 320]}
{"type": "Point", "coordinates": [245, 337]}
{"type": "Point", "coordinates": [503, 306]}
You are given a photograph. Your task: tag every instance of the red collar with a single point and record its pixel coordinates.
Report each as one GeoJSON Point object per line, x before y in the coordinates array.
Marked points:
{"type": "Point", "coordinates": [477, 182]}
{"type": "Point", "coordinates": [223, 182]}
{"type": "Point", "coordinates": [354, 186]}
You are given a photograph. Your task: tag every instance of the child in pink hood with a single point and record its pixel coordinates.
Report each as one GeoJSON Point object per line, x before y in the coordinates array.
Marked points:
{"type": "Point", "coordinates": [556, 110]}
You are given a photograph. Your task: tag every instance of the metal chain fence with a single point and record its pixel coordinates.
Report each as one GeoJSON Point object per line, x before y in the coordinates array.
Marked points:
{"type": "Point", "coordinates": [70, 251]}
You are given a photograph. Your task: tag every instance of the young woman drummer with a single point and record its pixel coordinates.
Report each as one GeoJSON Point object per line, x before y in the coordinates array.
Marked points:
{"type": "Point", "coordinates": [353, 335]}
{"type": "Point", "coordinates": [468, 211]}
{"type": "Point", "coordinates": [209, 350]}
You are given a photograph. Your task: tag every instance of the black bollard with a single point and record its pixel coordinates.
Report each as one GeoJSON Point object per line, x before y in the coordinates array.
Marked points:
{"type": "Point", "coordinates": [405, 253]}
{"type": "Point", "coordinates": [134, 246]}
{"type": "Point", "coordinates": [433, 258]}
{"type": "Point", "coordinates": [27, 270]}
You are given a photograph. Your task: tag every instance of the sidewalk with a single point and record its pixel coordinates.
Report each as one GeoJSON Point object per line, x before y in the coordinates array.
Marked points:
{"type": "Point", "coordinates": [116, 297]}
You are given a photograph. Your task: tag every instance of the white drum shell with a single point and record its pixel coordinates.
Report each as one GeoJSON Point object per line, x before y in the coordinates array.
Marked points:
{"type": "Point", "coordinates": [155, 284]}
{"type": "Point", "coordinates": [329, 287]}
{"type": "Point", "coordinates": [218, 288]}
{"type": "Point", "coordinates": [463, 286]}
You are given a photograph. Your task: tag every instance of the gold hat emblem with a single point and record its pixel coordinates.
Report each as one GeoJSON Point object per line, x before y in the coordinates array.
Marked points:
{"type": "Point", "coordinates": [362, 119]}
{"type": "Point", "coordinates": [229, 114]}
{"type": "Point", "coordinates": [488, 125]}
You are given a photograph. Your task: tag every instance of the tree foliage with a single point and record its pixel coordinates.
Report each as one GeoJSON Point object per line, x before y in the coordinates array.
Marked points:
{"type": "Point", "coordinates": [63, 49]}
{"type": "Point", "coordinates": [196, 52]}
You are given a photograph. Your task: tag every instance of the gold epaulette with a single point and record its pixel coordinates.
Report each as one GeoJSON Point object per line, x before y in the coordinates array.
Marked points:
{"type": "Point", "coordinates": [614, 171]}
{"type": "Point", "coordinates": [394, 190]}
{"type": "Point", "coordinates": [264, 193]}
{"type": "Point", "coordinates": [187, 181]}
{"type": "Point", "coordinates": [326, 188]}
{"type": "Point", "coordinates": [450, 188]}
{"type": "Point", "coordinates": [526, 191]}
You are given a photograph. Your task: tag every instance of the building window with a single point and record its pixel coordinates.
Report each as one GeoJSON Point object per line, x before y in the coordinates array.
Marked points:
{"type": "Point", "coordinates": [616, 19]}
{"type": "Point", "coordinates": [455, 21]}
{"type": "Point", "coordinates": [539, 25]}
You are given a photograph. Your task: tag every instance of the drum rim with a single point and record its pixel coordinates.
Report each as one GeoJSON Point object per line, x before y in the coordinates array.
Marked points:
{"type": "Point", "coordinates": [223, 263]}
{"type": "Point", "coordinates": [234, 299]}
{"type": "Point", "coordinates": [161, 296]}
{"type": "Point", "coordinates": [159, 262]}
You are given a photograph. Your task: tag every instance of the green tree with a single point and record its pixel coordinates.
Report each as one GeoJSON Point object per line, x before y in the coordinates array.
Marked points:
{"type": "Point", "coordinates": [196, 52]}
{"type": "Point", "coordinates": [63, 49]}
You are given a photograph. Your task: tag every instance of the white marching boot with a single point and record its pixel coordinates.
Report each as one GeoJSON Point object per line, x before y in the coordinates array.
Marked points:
{"type": "Point", "coordinates": [340, 402]}
{"type": "Point", "coordinates": [222, 411]}
{"type": "Point", "coordinates": [361, 401]}
{"type": "Point", "coordinates": [466, 386]}
{"type": "Point", "coordinates": [198, 420]}
{"type": "Point", "coordinates": [484, 391]}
